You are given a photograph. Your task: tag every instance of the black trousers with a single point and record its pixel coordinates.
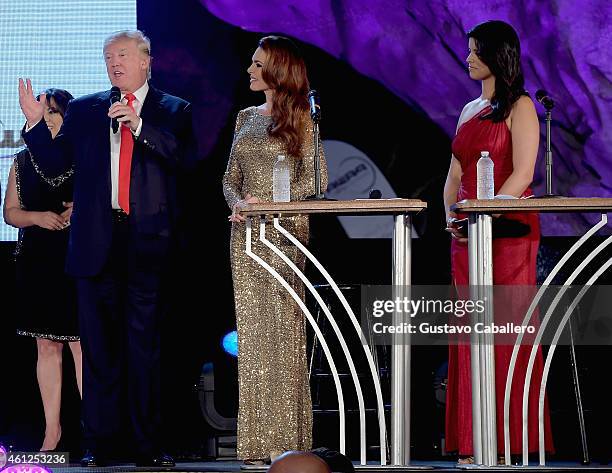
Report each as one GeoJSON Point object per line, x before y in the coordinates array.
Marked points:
{"type": "Point", "coordinates": [119, 316]}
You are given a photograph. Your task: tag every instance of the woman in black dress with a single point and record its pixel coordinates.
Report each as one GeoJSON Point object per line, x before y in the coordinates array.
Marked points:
{"type": "Point", "coordinates": [40, 206]}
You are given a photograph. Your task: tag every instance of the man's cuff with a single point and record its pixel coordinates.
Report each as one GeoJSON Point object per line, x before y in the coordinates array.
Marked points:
{"type": "Point", "coordinates": [138, 129]}
{"type": "Point", "coordinates": [28, 128]}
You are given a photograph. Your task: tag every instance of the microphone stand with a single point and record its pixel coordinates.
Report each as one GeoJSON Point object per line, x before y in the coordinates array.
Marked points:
{"type": "Point", "coordinates": [317, 160]}
{"type": "Point", "coordinates": [548, 154]}
{"type": "Point", "coordinates": [318, 195]}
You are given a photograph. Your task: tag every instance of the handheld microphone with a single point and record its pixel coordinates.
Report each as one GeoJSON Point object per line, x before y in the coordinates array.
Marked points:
{"type": "Point", "coordinates": [315, 107]}
{"type": "Point", "coordinates": [543, 97]}
{"type": "Point", "coordinates": [115, 96]}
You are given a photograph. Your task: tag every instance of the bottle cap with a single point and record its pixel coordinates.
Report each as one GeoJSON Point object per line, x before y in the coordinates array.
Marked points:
{"type": "Point", "coordinates": [484, 154]}
{"type": "Point", "coordinates": [280, 157]}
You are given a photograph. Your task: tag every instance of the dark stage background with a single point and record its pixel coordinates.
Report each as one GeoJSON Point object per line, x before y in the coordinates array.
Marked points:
{"type": "Point", "coordinates": [201, 58]}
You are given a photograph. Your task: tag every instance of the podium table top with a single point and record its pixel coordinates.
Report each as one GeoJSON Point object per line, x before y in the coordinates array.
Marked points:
{"type": "Point", "coordinates": [551, 204]}
{"type": "Point", "coordinates": [342, 207]}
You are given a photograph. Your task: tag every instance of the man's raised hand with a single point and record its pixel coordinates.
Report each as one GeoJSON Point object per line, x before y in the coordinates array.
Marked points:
{"type": "Point", "coordinates": [32, 109]}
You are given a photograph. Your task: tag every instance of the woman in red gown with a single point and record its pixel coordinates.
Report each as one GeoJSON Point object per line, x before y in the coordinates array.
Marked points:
{"type": "Point", "coordinates": [502, 121]}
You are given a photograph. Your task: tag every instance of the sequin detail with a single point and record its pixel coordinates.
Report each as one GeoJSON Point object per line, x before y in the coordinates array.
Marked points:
{"type": "Point", "coordinates": [52, 181]}
{"type": "Point", "coordinates": [275, 410]}
{"type": "Point", "coordinates": [55, 338]}
{"type": "Point", "coordinates": [19, 245]}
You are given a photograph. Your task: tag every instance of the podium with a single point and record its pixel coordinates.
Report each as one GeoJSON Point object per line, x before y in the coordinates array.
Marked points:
{"type": "Point", "coordinates": [402, 211]}
{"type": "Point", "coordinates": [482, 351]}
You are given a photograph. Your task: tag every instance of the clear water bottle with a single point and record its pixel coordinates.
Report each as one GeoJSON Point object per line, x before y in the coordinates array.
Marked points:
{"type": "Point", "coordinates": [484, 177]}
{"type": "Point", "coordinates": [281, 180]}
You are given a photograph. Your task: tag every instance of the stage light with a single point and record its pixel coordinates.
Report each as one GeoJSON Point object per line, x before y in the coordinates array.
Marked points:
{"type": "Point", "coordinates": [230, 343]}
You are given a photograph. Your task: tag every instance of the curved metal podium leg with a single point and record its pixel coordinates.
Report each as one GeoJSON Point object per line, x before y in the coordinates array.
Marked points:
{"type": "Point", "coordinates": [332, 321]}
{"type": "Point", "coordinates": [373, 371]}
{"type": "Point", "coordinates": [551, 353]}
{"type": "Point", "coordinates": [603, 222]}
{"type": "Point", "coordinates": [540, 334]}
{"type": "Point", "coordinates": [312, 322]}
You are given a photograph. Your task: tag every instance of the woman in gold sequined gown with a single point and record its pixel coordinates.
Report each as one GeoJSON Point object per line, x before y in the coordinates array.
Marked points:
{"type": "Point", "coordinates": [275, 411]}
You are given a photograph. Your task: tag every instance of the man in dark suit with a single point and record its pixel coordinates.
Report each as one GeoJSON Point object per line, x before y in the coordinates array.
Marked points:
{"type": "Point", "coordinates": [125, 208]}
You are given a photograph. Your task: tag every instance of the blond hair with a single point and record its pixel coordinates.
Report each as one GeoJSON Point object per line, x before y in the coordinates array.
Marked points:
{"type": "Point", "coordinates": [143, 43]}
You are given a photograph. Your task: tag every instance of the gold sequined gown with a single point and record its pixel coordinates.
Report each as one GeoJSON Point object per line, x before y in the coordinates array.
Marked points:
{"type": "Point", "coordinates": [275, 410]}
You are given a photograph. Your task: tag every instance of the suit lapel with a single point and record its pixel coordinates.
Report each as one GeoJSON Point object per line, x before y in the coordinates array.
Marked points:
{"type": "Point", "coordinates": [151, 109]}
{"type": "Point", "coordinates": [101, 136]}
{"type": "Point", "coordinates": [102, 122]}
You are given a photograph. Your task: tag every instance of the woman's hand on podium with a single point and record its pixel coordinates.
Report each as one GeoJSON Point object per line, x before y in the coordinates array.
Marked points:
{"type": "Point", "coordinates": [240, 205]}
{"type": "Point", "coordinates": [454, 227]}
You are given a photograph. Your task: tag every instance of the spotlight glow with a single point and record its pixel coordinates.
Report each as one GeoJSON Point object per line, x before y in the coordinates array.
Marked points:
{"type": "Point", "coordinates": [230, 343]}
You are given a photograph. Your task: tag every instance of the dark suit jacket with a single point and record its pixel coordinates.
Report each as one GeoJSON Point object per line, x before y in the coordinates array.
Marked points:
{"type": "Point", "coordinates": [165, 145]}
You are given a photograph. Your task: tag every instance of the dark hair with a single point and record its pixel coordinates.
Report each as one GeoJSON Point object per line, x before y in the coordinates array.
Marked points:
{"type": "Point", "coordinates": [61, 97]}
{"type": "Point", "coordinates": [285, 72]}
{"type": "Point", "coordinates": [499, 48]}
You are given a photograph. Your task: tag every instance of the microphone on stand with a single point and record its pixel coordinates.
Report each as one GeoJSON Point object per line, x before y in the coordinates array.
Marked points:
{"type": "Point", "coordinates": [543, 97]}
{"type": "Point", "coordinates": [375, 194]}
{"type": "Point", "coordinates": [315, 114]}
{"type": "Point", "coordinates": [548, 103]}
{"type": "Point", "coordinates": [315, 106]}
{"type": "Point", "coordinates": [115, 96]}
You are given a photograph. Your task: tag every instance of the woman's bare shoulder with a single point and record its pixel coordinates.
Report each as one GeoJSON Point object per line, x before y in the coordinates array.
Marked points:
{"type": "Point", "coordinates": [524, 102]}
{"type": "Point", "coordinates": [469, 110]}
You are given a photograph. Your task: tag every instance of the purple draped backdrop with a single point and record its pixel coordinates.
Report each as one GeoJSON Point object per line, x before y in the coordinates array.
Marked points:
{"type": "Point", "coordinates": [417, 50]}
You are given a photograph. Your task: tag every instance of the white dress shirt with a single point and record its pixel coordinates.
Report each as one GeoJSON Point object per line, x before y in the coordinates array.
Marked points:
{"type": "Point", "coordinates": [115, 142]}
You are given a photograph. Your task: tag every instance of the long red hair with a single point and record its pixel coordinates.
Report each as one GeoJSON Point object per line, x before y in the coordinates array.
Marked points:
{"type": "Point", "coordinates": [285, 73]}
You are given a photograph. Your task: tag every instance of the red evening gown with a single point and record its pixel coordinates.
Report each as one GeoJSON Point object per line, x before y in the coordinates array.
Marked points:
{"type": "Point", "coordinates": [514, 263]}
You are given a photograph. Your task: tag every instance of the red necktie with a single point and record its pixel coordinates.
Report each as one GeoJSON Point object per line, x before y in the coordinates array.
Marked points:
{"type": "Point", "coordinates": [125, 160]}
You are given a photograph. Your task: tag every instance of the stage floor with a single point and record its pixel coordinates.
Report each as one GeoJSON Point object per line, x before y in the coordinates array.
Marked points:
{"type": "Point", "coordinates": [231, 466]}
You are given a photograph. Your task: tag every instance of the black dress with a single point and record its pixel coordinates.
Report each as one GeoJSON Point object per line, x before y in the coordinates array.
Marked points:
{"type": "Point", "coordinates": [46, 293]}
